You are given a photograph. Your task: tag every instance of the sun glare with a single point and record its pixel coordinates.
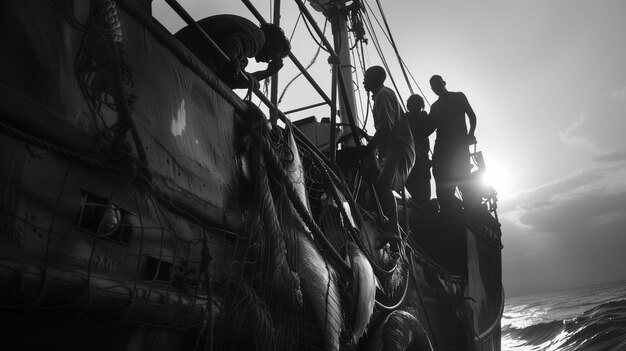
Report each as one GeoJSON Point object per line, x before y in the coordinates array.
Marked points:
{"type": "Point", "coordinates": [499, 179]}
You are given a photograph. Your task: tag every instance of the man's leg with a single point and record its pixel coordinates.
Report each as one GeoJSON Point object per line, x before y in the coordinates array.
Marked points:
{"type": "Point", "coordinates": [422, 190]}
{"type": "Point", "coordinates": [445, 187]}
{"type": "Point", "coordinates": [466, 183]}
{"type": "Point", "coordinates": [418, 185]}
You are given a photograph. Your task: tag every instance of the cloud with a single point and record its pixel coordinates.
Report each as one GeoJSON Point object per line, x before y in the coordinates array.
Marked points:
{"type": "Point", "coordinates": [619, 94]}
{"type": "Point", "coordinates": [611, 157]}
{"type": "Point", "coordinates": [569, 232]}
{"type": "Point", "coordinates": [578, 189]}
{"type": "Point", "coordinates": [572, 135]}
{"type": "Point", "coordinates": [599, 128]}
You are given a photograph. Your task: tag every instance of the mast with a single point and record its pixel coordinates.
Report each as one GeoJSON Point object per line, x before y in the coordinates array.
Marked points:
{"type": "Point", "coordinates": [336, 12]}
{"type": "Point", "coordinates": [274, 88]}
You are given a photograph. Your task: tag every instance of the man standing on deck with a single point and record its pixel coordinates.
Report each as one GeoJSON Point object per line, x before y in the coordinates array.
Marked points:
{"type": "Point", "coordinates": [240, 39]}
{"type": "Point", "coordinates": [418, 183]}
{"type": "Point", "coordinates": [451, 166]}
{"type": "Point", "coordinates": [395, 146]}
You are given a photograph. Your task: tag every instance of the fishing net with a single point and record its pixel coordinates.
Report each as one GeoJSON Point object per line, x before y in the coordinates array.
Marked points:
{"type": "Point", "coordinates": [105, 265]}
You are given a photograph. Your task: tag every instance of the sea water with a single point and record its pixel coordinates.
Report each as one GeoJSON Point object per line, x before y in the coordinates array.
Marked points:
{"type": "Point", "coordinates": [590, 318]}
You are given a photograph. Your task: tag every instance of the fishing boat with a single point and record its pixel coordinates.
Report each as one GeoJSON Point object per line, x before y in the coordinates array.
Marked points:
{"type": "Point", "coordinates": [148, 206]}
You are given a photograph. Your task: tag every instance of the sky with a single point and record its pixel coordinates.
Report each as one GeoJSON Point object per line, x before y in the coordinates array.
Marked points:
{"type": "Point", "coordinates": [547, 80]}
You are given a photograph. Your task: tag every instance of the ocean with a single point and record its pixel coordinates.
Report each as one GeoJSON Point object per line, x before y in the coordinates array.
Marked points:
{"type": "Point", "coordinates": [590, 318]}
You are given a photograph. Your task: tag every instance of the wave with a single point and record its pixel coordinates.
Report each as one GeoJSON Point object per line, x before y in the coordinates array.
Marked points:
{"type": "Point", "coordinates": [598, 329]}
{"type": "Point", "coordinates": [535, 334]}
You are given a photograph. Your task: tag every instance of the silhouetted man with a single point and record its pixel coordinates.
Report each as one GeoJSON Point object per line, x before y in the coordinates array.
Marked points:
{"type": "Point", "coordinates": [240, 39]}
{"type": "Point", "coordinates": [451, 166]}
{"type": "Point", "coordinates": [418, 182]}
{"type": "Point", "coordinates": [395, 146]}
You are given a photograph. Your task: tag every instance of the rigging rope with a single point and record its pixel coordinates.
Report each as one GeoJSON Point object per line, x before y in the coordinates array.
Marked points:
{"type": "Point", "coordinates": [356, 82]}
{"type": "Point", "coordinates": [317, 52]}
{"type": "Point", "coordinates": [306, 24]}
{"type": "Point", "coordinates": [370, 30]}
{"type": "Point", "coordinates": [394, 46]}
{"type": "Point", "coordinates": [294, 27]}
{"type": "Point", "coordinates": [406, 72]}
{"type": "Point", "coordinates": [361, 55]}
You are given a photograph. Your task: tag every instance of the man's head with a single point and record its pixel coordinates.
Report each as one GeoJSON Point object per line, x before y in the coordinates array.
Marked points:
{"type": "Point", "coordinates": [276, 45]}
{"type": "Point", "coordinates": [374, 78]}
{"type": "Point", "coordinates": [438, 85]}
{"type": "Point", "coordinates": [415, 103]}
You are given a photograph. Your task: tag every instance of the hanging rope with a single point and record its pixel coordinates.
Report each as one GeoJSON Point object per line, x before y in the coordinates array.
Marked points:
{"type": "Point", "coordinates": [313, 60]}
{"type": "Point", "coordinates": [313, 36]}
{"type": "Point", "coordinates": [105, 79]}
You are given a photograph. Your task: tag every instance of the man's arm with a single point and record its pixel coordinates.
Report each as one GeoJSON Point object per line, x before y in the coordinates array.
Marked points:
{"type": "Point", "coordinates": [383, 108]}
{"type": "Point", "coordinates": [272, 68]}
{"type": "Point", "coordinates": [430, 125]}
{"type": "Point", "coordinates": [379, 137]}
{"type": "Point", "coordinates": [472, 120]}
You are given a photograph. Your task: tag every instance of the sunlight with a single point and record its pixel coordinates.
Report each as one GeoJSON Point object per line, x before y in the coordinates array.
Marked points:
{"type": "Point", "coordinates": [500, 179]}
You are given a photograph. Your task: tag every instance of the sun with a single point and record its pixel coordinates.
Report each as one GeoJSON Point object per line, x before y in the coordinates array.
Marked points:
{"type": "Point", "coordinates": [500, 179]}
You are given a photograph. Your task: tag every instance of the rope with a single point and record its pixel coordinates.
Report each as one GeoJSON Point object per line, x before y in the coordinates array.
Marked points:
{"type": "Point", "coordinates": [370, 30]}
{"type": "Point", "coordinates": [393, 45]}
{"type": "Point", "coordinates": [61, 151]}
{"type": "Point", "coordinates": [403, 67]}
{"type": "Point", "coordinates": [357, 85]}
{"type": "Point", "coordinates": [307, 25]}
{"type": "Point", "coordinates": [402, 297]}
{"type": "Point", "coordinates": [100, 56]}
{"type": "Point", "coordinates": [317, 52]}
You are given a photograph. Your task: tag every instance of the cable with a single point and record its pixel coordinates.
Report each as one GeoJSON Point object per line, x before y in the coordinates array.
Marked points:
{"type": "Point", "coordinates": [356, 82]}
{"type": "Point", "coordinates": [294, 27]}
{"type": "Point", "coordinates": [319, 48]}
{"type": "Point", "coordinates": [382, 57]}
{"type": "Point", "coordinates": [403, 66]}
{"type": "Point", "coordinates": [306, 24]}
{"type": "Point", "coordinates": [394, 46]}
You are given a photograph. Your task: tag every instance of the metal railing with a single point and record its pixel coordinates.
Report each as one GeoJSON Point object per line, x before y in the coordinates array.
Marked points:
{"type": "Point", "coordinates": [274, 111]}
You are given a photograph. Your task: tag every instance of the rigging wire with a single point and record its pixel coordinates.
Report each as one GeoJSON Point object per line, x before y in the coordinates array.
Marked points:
{"type": "Point", "coordinates": [306, 23]}
{"type": "Point", "coordinates": [416, 83]}
{"type": "Point", "coordinates": [370, 30]}
{"type": "Point", "coordinates": [294, 27]}
{"type": "Point", "coordinates": [313, 60]}
{"type": "Point", "coordinates": [361, 54]}
{"type": "Point", "coordinates": [393, 45]}
{"type": "Point", "coordinates": [377, 21]}
{"type": "Point", "coordinates": [388, 36]}
{"type": "Point", "coordinates": [356, 82]}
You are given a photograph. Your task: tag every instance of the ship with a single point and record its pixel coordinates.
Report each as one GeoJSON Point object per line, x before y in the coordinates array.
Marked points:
{"type": "Point", "coordinates": [148, 206]}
